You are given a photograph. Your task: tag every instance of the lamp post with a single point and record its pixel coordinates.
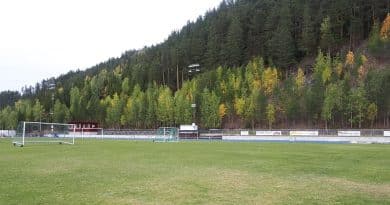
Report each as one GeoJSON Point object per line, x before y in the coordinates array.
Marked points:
{"type": "Point", "coordinates": [193, 69]}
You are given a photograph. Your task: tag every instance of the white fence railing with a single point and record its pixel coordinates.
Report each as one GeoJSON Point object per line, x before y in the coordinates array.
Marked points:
{"type": "Point", "coordinates": [7, 133]}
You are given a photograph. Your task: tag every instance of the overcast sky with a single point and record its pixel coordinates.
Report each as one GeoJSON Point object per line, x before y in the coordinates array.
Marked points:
{"type": "Point", "coordinates": [45, 38]}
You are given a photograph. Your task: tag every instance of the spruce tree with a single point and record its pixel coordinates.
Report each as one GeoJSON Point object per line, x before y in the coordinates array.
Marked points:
{"type": "Point", "coordinates": [282, 42]}
{"type": "Point", "coordinates": [235, 43]}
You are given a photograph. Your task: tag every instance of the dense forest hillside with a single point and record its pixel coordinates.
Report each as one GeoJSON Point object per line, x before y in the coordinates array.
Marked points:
{"type": "Point", "coordinates": [253, 58]}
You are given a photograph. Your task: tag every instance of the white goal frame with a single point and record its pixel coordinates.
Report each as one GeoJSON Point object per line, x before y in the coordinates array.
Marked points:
{"type": "Point", "coordinates": [71, 127]}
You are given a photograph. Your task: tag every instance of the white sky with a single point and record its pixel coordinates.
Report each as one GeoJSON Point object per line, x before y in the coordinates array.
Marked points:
{"type": "Point", "coordinates": [40, 39]}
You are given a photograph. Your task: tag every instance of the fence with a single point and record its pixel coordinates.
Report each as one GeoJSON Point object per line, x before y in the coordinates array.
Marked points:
{"type": "Point", "coordinates": [7, 133]}
{"type": "Point", "coordinates": [218, 133]}
{"type": "Point", "coordinates": [326, 135]}
{"type": "Point", "coordinates": [299, 132]}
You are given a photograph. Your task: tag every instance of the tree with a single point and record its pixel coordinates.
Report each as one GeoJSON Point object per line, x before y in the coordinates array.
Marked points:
{"type": "Point", "coordinates": [114, 111]}
{"type": "Point", "coordinates": [253, 107]}
{"type": "Point", "coordinates": [377, 85]}
{"type": "Point", "coordinates": [270, 111]}
{"type": "Point", "coordinates": [75, 104]}
{"type": "Point", "coordinates": [332, 101]}
{"type": "Point", "coordinates": [372, 111]}
{"type": "Point", "coordinates": [374, 40]}
{"type": "Point", "coordinates": [356, 106]}
{"type": "Point", "coordinates": [61, 113]}
{"type": "Point", "coordinates": [37, 111]}
{"type": "Point", "coordinates": [327, 38]}
{"type": "Point", "coordinates": [385, 29]}
{"type": "Point", "coordinates": [235, 43]}
{"type": "Point", "coordinates": [282, 47]}
{"type": "Point", "coordinates": [127, 115]}
{"type": "Point", "coordinates": [165, 107]}
{"type": "Point", "coordinates": [151, 96]}
{"type": "Point", "coordinates": [183, 108]}
{"type": "Point", "coordinates": [135, 109]}
{"type": "Point", "coordinates": [126, 86]}
{"type": "Point", "coordinates": [8, 118]}
{"type": "Point", "coordinates": [24, 110]}
{"type": "Point", "coordinates": [270, 80]}
{"type": "Point", "coordinates": [350, 59]}
{"type": "Point", "coordinates": [308, 42]}
{"type": "Point", "coordinates": [222, 111]}
{"type": "Point", "coordinates": [253, 73]}
{"type": "Point", "coordinates": [239, 106]}
{"type": "Point", "coordinates": [322, 68]}
{"type": "Point", "coordinates": [213, 47]}
{"type": "Point", "coordinates": [300, 79]}
{"type": "Point", "coordinates": [209, 109]}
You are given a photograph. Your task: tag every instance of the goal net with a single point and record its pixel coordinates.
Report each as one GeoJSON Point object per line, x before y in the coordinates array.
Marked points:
{"type": "Point", "coordinates": [167, 134]}
{"type": "Point", "coordinates": [41, 132]}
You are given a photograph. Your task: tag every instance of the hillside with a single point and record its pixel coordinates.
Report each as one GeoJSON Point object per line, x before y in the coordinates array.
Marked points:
{"type": "Point", "coordinates": [249, 52]}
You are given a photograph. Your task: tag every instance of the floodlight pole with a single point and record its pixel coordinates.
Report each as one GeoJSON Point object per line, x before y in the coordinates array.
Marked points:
{"type": "Point", "coordinates": [193, 69]}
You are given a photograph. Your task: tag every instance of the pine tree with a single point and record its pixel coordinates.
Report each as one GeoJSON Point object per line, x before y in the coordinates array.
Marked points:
{"type": "Point", "coordinates": [213, 46]}
{"type": "Point", "coordinates": [308, 43]}
{"type": "Point", "coordinates": [282, 43]}
{"type": "Point", "coordinates": [327, 38]}
{"type": "Point", "coordinates": [235, 43]}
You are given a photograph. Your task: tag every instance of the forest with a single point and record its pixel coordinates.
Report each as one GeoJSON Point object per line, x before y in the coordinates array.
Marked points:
{"type": "Point", "coordinates": [263, 64]}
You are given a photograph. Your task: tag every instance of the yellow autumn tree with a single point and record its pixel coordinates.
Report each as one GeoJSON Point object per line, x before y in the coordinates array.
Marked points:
{"type": "Point", "coordinates": [385, 29]}
{"type": "Point", "coordinates": [350, 59]}
{"type": "Point", "coordinates": [363, 68]}
{"type": "Point", "coordinates": [253, 73]}
{"type": "Point", "coordinates": [270, 80]}
{"type": "Point", "coordinates": [239, 106]}
{"type": "Point", "coordinates": [300, 79]}
{"type": "Point", "coordinates": [222, 110]}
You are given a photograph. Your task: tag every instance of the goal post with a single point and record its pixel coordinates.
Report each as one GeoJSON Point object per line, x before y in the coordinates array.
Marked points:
{"type": "Point", "coordinates": [41, 132]}
{"type": "Point", "coordinates": [167, 134]}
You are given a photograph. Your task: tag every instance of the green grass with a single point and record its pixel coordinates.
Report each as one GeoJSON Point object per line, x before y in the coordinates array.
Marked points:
{"type": "Point", "coordinates": [129, 172]}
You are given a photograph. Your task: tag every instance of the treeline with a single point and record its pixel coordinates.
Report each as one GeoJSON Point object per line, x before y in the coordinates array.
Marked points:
{"type": "Point", "coordinates": [341, 92]}
{"type": "Point", "coordinates": [283, 32]}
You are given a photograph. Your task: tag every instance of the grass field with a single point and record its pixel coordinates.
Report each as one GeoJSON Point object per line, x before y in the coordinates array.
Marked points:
{"type": "Point", "coordinates": [123, 172]}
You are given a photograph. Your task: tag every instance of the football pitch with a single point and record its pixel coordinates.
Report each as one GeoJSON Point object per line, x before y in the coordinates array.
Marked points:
{"type": "Point", "coordinates": [135, 172]}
